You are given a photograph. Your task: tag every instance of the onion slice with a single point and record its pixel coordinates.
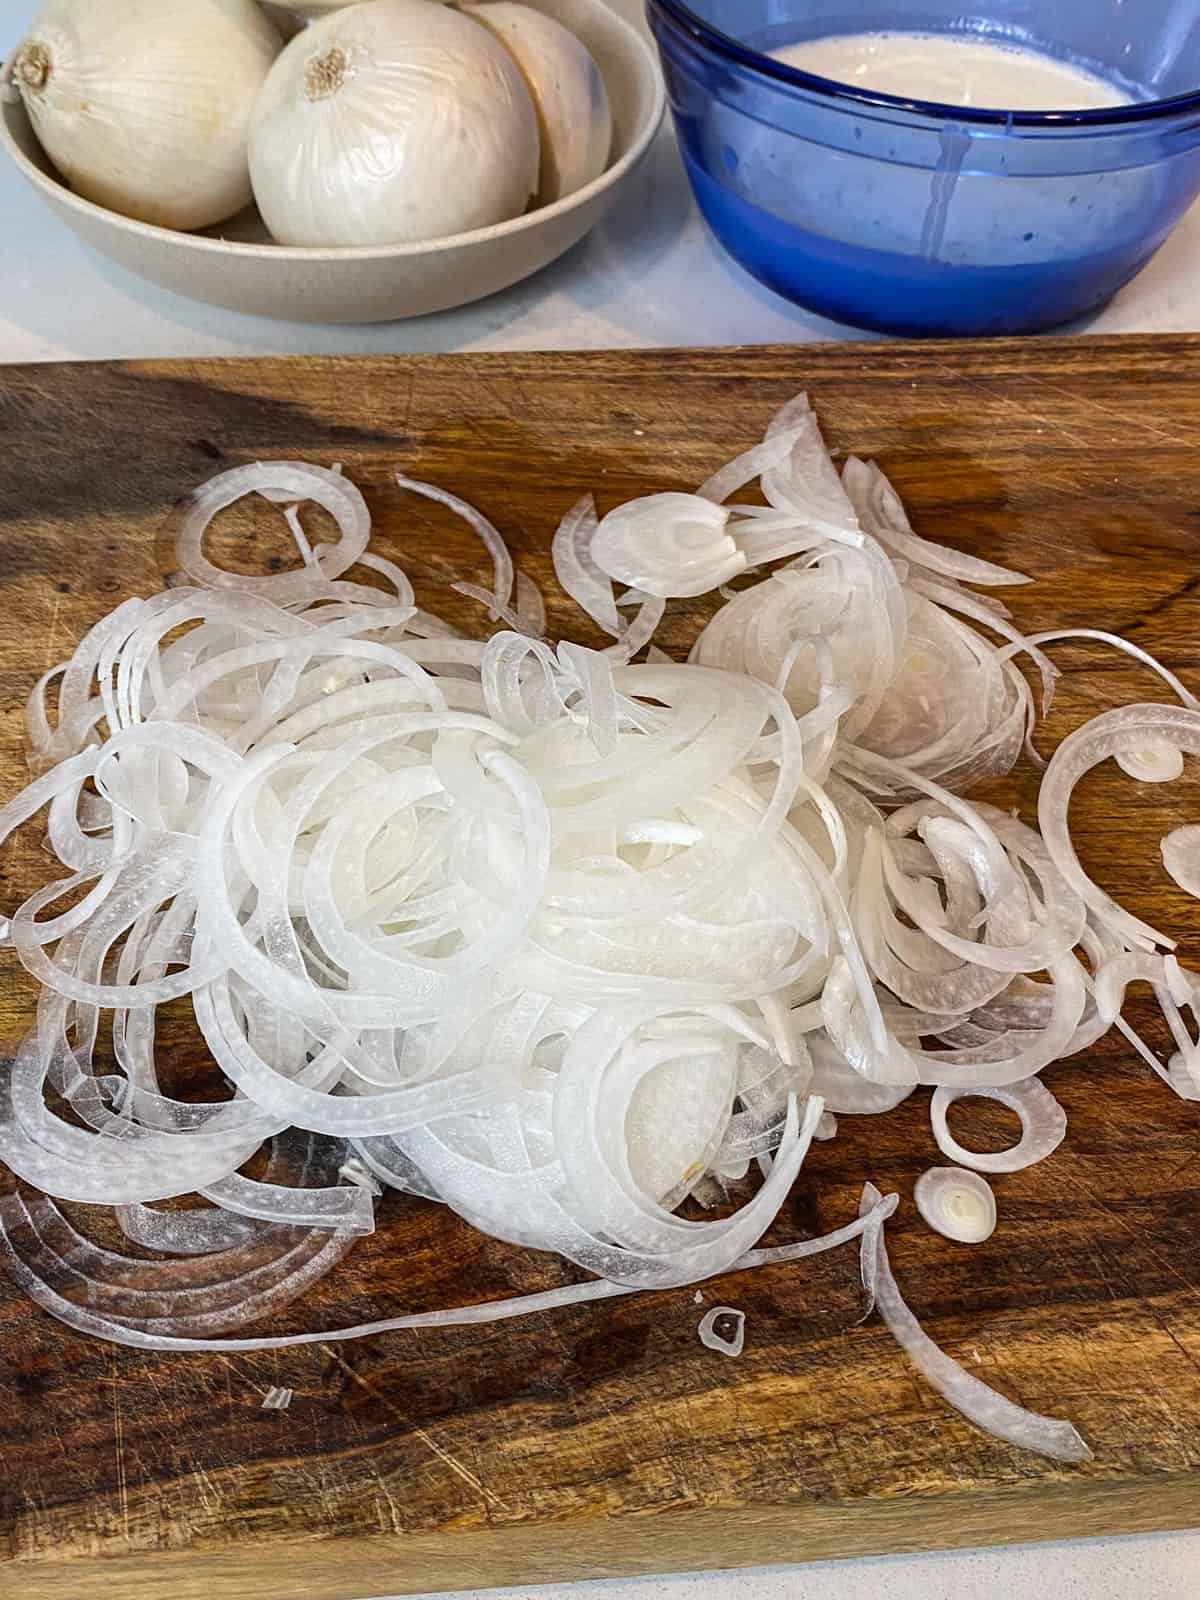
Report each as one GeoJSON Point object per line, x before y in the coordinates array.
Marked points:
{"type": "Point", "coordinates": [559, 941]}
{"type": "Point", "coordinates": [956, 1203]}
{"type": "Point", "coordinates": [33, 1279]}
{"type": "Point", "coordinates": [1043, 1126]}
{"type": "Point", "coordinates": [981, 1405]}
{"type": "Point", "coordinates": [1155, 761]}
{"type": "Point", "coordinates": [1126, 728]}
{"type": "Point", "coordinates": [1181, 857]}
{"type": "Point", "coordinates": [731, 1343]}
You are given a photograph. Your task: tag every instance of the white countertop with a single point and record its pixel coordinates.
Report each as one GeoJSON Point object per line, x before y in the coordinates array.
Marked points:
{"type": "Point", "coordinates": [1163, 1566]}
{"type": "Point", "coordinates": [648, 276]}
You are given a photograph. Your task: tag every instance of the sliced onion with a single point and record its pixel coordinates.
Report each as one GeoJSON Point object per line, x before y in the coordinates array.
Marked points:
{"type": "Point", "coordinates": [667, 544]}
{"type": "Point", "coordinates": [881, 512]}
{"type": "Point", "coordinates": [1155, 761]}
{"type": "Point", "coordinates": [730, 1343]}
{"type": "Point", "coordinates": [956, 1203]}
{"type": "Point", "coordinates": [33, 1271]}
{"type": "Point", "coordinates": [502, 565]}
{"type": "Point", "coordinates": [1181, 857]}
{"type": "Point", "coordinates": [1043, 1126]}
{"type": "Point", "coordinates": [1125, 646]}
{"type": "Point", "coordinates": [981, 1405]}
{"type": "Point", "coordinates": [280, 481]}
{"type": "Point", "coordinates": [576, 571]}
{"type": "Point", "coordinates": [1126, 728]}
{"type": "Point", "coordinates": [548, 937]}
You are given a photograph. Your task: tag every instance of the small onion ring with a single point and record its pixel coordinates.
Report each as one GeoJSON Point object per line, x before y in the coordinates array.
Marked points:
{"type": "Point", "coordinates": [1043, 1125]}
{"type": "Point", "coordinates": [726, 1345]}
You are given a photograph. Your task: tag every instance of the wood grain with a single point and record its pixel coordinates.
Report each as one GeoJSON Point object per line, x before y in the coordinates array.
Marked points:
{"type": "Point", "coordinates": [606, 1440]}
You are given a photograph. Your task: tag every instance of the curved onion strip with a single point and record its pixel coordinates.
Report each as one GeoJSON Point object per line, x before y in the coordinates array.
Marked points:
{"type": "Point", "coordinates": [880, 511]}
{"type": "Point", "coordinates": [751, 464]}
{"type": "Point", "coordinates": [183, 1233]}
{"type": "Point", "coordinates": [1126, 728]}
{"type": "Point", "coordinates": [1126, 646]}
{"type": "Point", "coordinates": [978, 1403]}
{"type": "Point", "coordinates": [34, 1282]}
{"type": "Point", "coordinates": [963, 988]}
{"type": "Point", "coordinates": [1172, 988]}
{"type": "Point", "coordinates": [846, 1091]}
{"type": "Point", "coordinates": [502, 565]}
{"type": "Point", "coordinates": [576, 571]}
{"type": "Point", "coordinates": [278, 481]}
{"type": "Point", "coordinates": [806, 484]}
{"type": "Point", "coordinates": [253, 1294]}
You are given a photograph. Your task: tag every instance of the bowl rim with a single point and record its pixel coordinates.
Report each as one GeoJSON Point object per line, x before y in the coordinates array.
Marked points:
{"type": "Point", "coordinates": [1094, 120]}
{"type": "Point", "coordinates": [11, 106]}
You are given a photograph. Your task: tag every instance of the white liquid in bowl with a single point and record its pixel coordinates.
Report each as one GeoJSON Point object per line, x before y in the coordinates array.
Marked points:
{"type": "Point", "coordinates": [952, 69]}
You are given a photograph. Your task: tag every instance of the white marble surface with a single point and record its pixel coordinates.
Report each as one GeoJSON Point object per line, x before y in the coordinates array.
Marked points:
{"type": "Point", "coordinates": [1163, 1566]}
{"type": "Point", "coordinates": [649, 276]}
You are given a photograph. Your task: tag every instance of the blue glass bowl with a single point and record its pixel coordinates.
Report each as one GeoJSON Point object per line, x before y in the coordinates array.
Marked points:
{"type": "Point", "coordinates": [918, 218]}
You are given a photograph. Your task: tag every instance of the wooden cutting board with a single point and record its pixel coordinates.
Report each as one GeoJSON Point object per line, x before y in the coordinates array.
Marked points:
{"type": "Point", "coordinates": [606, 1440]}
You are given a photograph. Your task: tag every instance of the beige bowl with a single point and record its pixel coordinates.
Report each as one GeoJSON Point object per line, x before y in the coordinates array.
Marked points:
{"type": "Point", "coordinates": [237, 266]}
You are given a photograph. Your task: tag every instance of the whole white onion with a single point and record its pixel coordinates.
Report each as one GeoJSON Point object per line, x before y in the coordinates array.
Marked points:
{"type": "Point", "coordinates": [144, 105]}
{"type": "Point", "coordinates": [391, 122]}
{"type": "Point", "coordinates": [574, 118]}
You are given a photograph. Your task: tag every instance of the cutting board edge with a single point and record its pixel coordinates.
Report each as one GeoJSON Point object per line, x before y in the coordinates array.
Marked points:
{"type": "Point", "coordinates": [673, 1541]}
{"type": "Point", "coordinates": [882, 353]}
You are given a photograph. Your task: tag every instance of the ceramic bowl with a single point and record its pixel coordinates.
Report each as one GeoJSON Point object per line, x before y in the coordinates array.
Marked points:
{"type": "Point", "coordinates": [237, 266]}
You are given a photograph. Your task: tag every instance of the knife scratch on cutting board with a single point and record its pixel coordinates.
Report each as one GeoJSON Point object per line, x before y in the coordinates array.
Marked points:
{"type": "Point", "coordinates": [119, 1449]}
{"type": "Point", "coordinates": [1115, 1216]}
{"type": "Point", "coordinates": [1022, 408]}
{"type": "Point", "coordinates": [1122, 419]}
{"type": "Point", "coordinates": [211, 1497]}
{"type": "Point", "coordinates": [431, 1444]}
{"type": "Point", "coordinates": [391, 1523]}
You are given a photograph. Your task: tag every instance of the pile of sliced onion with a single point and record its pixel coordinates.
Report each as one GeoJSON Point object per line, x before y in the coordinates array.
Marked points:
{"type": "Point", "coordinates": [558, 937]}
